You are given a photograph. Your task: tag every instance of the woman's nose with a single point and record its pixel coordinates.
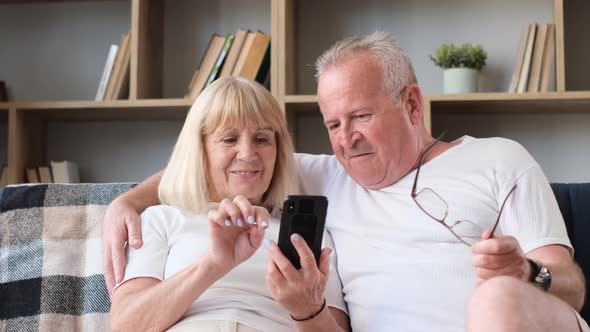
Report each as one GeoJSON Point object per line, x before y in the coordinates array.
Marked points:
{"type": "Point", "coordinates": [247, 151]}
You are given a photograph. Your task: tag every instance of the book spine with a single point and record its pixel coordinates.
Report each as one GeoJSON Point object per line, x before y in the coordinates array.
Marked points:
{"type": "Point", "coordinates": [106, 73]}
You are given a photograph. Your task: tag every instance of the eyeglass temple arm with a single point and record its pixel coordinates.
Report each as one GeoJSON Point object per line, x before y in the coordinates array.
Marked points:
{"type": "Point", "coordinates": [501, 209]}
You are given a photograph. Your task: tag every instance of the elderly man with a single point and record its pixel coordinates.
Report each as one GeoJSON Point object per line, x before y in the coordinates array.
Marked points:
{"type": "Point", "coordinates": [429, 235]}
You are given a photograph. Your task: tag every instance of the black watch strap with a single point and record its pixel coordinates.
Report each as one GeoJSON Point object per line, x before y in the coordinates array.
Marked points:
{"type": "Point", "coordinates": [540, 275]}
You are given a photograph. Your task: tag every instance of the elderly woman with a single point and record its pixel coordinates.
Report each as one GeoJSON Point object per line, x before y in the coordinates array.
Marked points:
{"type": "Point", "coordinates": [202, 271]}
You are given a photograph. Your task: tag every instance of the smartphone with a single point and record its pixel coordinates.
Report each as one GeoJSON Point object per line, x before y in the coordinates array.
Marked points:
{"type": "Point", "coordinates": [306, 216]}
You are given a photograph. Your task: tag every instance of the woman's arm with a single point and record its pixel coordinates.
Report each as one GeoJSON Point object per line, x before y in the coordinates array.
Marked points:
{"type": "Point", "coordinates": [148, 304]}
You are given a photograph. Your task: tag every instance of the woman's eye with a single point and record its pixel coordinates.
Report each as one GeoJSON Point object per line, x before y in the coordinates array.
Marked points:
{"type": "Point", "coordinates": [229, 140]}
{"type": "Point", "coordinates": [262, 139]}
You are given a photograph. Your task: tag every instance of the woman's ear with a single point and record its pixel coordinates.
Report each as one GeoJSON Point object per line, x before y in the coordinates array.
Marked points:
{"type": "Point", "coordinates": [414, 103]}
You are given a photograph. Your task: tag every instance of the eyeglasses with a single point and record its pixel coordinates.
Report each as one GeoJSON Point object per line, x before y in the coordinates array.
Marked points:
{"type": "Point", "coordinates": [437, 208]}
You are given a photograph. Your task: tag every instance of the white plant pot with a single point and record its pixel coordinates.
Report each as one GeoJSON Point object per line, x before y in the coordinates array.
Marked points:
{"type": "Point", "coordinates": [460, 80]}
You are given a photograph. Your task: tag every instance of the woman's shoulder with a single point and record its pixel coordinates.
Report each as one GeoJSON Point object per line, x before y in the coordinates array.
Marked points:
{"type": "Point", "coordinates": [169, 215]}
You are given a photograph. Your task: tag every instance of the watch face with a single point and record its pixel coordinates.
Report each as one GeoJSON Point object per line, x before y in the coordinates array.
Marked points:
{"type": "Point", "coordinates": [543, 278]}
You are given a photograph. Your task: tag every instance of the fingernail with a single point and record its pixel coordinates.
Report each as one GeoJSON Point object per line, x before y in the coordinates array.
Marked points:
{"type": "Point", "coordinates": [264, 223]}
{"type": "Point", "coordinates": [295, 236]}
{"type": "Point", "coordinates": [267, 243]}
{"type": "Point", "coordinates": [135, 242]}
{"type": "Point", "coordinates": [227, 222]}
{"type": "Point", "coordinates": [240, 222]}
{"type": "Point", "coordinates": [251, 220]}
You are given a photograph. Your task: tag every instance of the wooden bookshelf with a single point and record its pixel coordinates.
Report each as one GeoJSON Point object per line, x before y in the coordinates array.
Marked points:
{"type": "Point", "coordinates": [27, 121]}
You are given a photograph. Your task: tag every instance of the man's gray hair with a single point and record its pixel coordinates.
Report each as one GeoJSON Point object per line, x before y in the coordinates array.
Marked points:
{"type": "Point", "coordinates": [396, 65]}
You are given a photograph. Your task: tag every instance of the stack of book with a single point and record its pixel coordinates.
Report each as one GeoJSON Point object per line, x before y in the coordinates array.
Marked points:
{"type": "Point", "coordinates": [114, 83]}
{"type": "Point", "coordinates": [246, 54]}
{"type": "Point", "coordinates": [534, 59]}
{"type": "Point", "coordinates": [59, 172]}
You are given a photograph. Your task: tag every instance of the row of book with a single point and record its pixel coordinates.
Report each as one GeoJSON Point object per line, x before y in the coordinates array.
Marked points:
{"type": "Point", "coordinates": [59, 172]}
{"type": "Point", "coordinates": [114, 82]}
{"type": "Point", "coordinates": [534, 59]}
{"type": "Point", "coordinates": [245, 53]}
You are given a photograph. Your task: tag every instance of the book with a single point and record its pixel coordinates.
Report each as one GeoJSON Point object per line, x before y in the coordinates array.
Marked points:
{"type": "Point", "coordinates": [106, 72]}
{"type": "Point", "coordinates": [45, 174]}
{"type": "Point", "coordinates": [121, 86]}
{"type": "Point", "coordinates": [526, 62]}
{"type": "Point", "coordinates": [241, 60]}
{"type": "Point", "coordinates": [3, 92]}
{"type": "Point", "coordinates": [519, 58]}
{"type": "Point", "coordinates": [255, 56]}
{"type": "Point", "coordinates": [233, 53]}
{"type": "Point", "coordinates": [32, 175]}
{"type": "Point", "coordinates": [548, 56]}
{"type": "Point", "coordinates": [220, 59]}
{"type": "Point", "coordinates": [207, 63]}
{"type": "Point", "coordinates": [537, 59]}
{"type": "Point", "coordinates": [264, 68]}
{"type": "Point", "coordinates": [65, 171]}
{"type": "Point", "coordinates": [118, 68]}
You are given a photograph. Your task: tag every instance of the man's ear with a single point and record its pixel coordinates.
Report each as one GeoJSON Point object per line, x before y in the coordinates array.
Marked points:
{"type": "Point", "coordinates": [414, 103]}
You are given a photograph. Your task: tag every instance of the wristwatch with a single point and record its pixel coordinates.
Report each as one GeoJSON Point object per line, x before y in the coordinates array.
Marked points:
{"type": "Point", "coordinates": [540, 275]}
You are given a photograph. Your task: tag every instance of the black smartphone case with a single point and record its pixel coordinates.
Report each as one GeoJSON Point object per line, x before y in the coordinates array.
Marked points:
{"type": "Point", "coordinates": [306, 216]}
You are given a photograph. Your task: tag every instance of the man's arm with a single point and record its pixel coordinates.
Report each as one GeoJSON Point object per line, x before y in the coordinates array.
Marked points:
{"type": "Point", "coordinates": [567, 280]}
{"type": "Point", "coordinates": [502, 256]}
{"type": "Point", "coordinates": [122, 224]}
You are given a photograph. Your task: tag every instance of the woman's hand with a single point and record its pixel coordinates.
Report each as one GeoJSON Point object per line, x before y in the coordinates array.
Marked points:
{"type": "Point", "coordinates": [236, 230]}
{"type": "Point", "coordinates": [301, 291]}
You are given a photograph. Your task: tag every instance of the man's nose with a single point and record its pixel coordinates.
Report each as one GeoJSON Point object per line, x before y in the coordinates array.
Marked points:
{"type": "Point", "coordinates": [349, 137]}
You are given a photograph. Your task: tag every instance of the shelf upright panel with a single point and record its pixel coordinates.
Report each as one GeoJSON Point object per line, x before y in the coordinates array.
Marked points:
{"type": "Point", "coordinates": [146, 49]}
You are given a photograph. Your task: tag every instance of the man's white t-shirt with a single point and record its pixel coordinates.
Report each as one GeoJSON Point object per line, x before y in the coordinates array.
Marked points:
{"type": "Point", "coordinates": [173, 239]}
{"type": "Point", "coordinates": [403, 271]}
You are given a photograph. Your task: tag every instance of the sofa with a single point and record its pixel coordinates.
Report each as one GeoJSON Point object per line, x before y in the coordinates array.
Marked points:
{"type": "Point", "coordinates": [50, 252]}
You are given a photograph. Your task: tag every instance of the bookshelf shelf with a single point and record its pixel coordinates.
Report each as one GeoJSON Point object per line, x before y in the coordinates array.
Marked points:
{"type": "Point", "coordinates": [144, 109]}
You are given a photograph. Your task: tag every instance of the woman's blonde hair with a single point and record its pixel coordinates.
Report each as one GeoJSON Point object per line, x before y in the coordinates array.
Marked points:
{"type": "Point", "coordinates": [230, 102]}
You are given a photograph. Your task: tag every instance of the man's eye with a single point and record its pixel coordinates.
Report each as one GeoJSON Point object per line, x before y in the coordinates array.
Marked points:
{"type": "Point", "coordinates": [362, 116]}
{"type": "Point", "coordinates": [333, 126]}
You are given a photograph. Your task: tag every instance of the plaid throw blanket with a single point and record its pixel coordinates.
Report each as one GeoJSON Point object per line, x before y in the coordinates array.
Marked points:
{"type": "Point", "coordinates": [50, 257]}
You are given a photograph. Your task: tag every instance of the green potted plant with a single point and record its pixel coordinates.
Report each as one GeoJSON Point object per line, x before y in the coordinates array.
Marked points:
{"type": "Point", "coordinates": [461, 65]}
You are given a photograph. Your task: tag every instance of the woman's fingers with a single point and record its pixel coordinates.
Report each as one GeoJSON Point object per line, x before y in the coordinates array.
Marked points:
{"type": "Point", "coordinates": [306, 257]}
{"type": "Point", "coordinates": [246, 208]}
{"type": "Point", "coordinates": [233, 211]}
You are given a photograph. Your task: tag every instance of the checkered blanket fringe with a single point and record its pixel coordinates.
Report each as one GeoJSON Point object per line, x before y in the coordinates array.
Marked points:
{"type": "Point", "coordinates": [50, 257]}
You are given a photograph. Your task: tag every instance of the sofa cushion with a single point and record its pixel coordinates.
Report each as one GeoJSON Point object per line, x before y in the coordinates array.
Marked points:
{"type": "Point", "coordinates": [574, 203]}
{"type": "Point", "coordinates": [50, 256]}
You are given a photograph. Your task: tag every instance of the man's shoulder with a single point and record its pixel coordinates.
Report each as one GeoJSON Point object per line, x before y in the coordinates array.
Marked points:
{"type": "Point", "coordinates": [498, 147]}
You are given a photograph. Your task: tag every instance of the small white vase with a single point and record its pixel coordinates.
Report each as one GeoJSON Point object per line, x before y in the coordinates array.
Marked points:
{"type": "Point", "coordinates": [460, 80]}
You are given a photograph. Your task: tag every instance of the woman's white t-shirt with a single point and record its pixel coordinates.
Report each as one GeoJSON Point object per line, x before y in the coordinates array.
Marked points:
{"type": "Point", "coordinates": [173, 239]}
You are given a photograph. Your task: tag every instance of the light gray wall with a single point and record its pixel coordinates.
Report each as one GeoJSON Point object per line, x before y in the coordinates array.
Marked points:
{"type": "Point", "coordinates": [114, 151]}
{"type": "Point", "coordinates": [56, 51]}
